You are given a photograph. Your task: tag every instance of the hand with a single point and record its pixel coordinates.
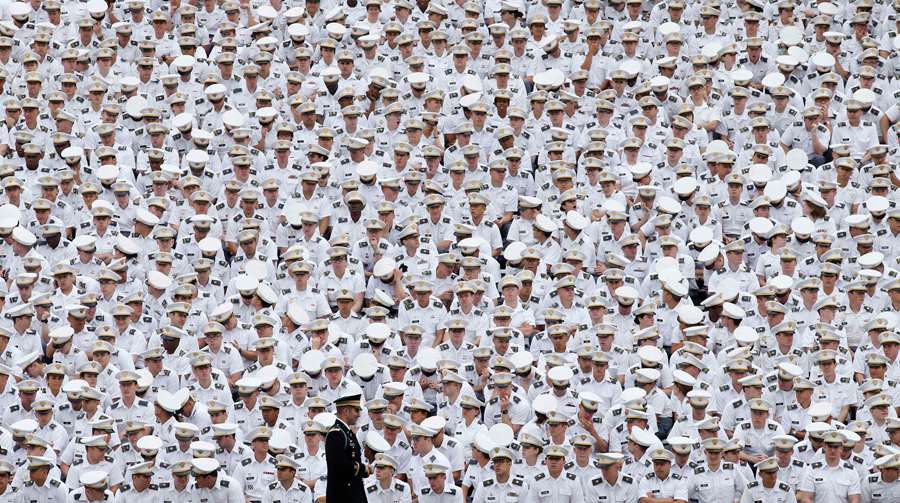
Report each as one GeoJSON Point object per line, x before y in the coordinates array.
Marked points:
{"type": "Point", "coordinates": [587, 424]}
{"type": "Point", "coordinates": [504, 402]}
{"type": "Point", "coordinates": [45, 316]}
{"type": "Point", "coordinates": [370, 470]}
{"type": "Point", "coordinates": [705, 93]}
{"type": "Point", "coordinates": [485, 374]}
{"type": "Point", "coordinates": [278, 94]}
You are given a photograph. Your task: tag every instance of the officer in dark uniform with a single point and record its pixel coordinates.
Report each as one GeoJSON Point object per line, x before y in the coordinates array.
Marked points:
{"type": "Point", "coordinates": [346, 468]}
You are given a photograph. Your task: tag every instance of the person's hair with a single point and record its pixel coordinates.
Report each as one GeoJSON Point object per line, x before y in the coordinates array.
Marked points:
{"type": "Point", "coordinates": [816, 212]}
{"type": "Point", "coordinates": [684, 388]}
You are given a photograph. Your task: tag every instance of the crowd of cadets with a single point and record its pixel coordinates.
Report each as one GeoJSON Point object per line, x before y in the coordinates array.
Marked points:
{"type": "Point", "coordinates": [567, 251]}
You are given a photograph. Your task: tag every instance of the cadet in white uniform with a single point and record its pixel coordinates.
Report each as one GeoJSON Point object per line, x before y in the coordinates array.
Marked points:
{"type": "Point", "coordinates": [768, 489]}
{"type": "Point", "coordinates": [287, 489]}
{"type": "Point", "coordinates": [662, 482]}
{"type": "Point", "coordinates": [385, 488]}
{"type": "Point", "coordinates": [41, 488]}
{"type": "Point", "coordinates": [502, 486]}
{"type": "Point", "coordinates": [611, 485]}
{"type": "Point", "coordinates": [439, 490]}
{"type": "Point", "coordinates": [555, 485]}
{"type": "Point", "coordinates": [831, 479]}
{"type": "Point", "coordinates": [884, 482]}
{"type": "Point", "coordinates": [716, 481]}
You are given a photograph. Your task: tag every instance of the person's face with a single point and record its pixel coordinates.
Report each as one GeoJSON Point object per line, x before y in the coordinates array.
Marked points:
{"type": "Point", "coordinates": [334, 375]}
{"type": "Point", "coordinates": [833, 452]}
{"type": "Point", "coordinates": [879, 411]}
{"type": "Point", "coordinates": [890, 350]}
{"type": "Point", "coordinates": [501, 467]}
